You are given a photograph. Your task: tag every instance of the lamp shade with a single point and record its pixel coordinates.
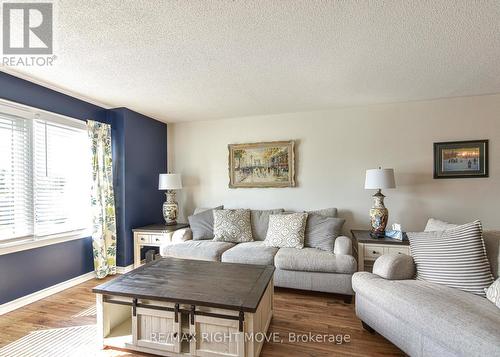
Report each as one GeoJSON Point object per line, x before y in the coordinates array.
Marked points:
{"type": "Point", "coordinates": [380, 178]}
{"type": "Point", "coordinates": [169, 182]}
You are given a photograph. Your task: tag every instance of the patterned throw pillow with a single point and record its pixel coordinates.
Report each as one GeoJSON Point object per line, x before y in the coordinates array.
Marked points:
{"type": "Point", "coordinates": [286, 230]}
{"type": "Point", "coordinates": [232, 225]}
{"type": "Point", "coordinates": [455, 257]}
{"type": "Point", "coordinates": [493, 293]}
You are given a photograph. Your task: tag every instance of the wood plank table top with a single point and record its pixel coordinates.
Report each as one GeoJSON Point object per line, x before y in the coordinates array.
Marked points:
{"type": "Point", "coordinates": [222, 285]}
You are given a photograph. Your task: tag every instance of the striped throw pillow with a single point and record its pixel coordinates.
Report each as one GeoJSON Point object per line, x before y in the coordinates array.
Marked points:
{"type": "Point", "coordinates": [455, 257]}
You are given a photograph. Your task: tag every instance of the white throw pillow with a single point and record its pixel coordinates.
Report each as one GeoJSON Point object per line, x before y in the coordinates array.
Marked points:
{"type": "Point", "coordinates": [493, 292]}
{"type": "Point", "coordinates": [182, 235]}
{"type": "Point", "coordinates": [286, 230]}
{"type": "Point", "coordinates": [232, 225]}
{"type": "Point", "coordinates": [434, 225]}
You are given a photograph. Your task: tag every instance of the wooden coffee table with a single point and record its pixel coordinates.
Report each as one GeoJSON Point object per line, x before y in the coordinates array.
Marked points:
{"type": "Point", "coordinates": [179, 307]}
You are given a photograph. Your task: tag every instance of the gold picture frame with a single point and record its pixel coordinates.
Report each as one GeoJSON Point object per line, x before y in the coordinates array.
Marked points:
{"type": "Point", "coordinates": [262, 165]}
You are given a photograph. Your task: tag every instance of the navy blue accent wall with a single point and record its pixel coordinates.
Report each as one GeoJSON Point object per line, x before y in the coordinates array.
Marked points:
{"type": "Point", "coordinates": [139, 154]}
{"type": "Point", "coordinates": [138, 200]}
{"type": "Point", "coordinates": [28, 93]}
{"type": "Point", "coordinates": [25, 272]}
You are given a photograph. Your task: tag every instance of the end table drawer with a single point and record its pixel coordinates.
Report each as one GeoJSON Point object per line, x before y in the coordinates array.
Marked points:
{"type": "Point", "coordinates": [373, 251]}
{"type": "Point", "coordinates": [397, 250]}
{"type": "Point", "coordinates": [156, 239]}
{"type": "Point", "coordinates": [143, 238]}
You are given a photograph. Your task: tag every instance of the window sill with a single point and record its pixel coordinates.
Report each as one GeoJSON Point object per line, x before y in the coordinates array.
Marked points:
{"type": "Point", "coordinates": [8, 248]}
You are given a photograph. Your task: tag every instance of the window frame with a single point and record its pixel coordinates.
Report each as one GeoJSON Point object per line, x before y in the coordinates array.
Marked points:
{"type": "Point", "coordinates": [32, 241]}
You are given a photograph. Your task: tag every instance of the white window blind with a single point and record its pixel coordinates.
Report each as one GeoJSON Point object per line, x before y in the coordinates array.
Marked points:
{"type": "Point", "coordinates": [61, 177]}
{"type": "Point", "coordinates": [16, 198]}
{"type": "Point", "coordinates": [45, 173]}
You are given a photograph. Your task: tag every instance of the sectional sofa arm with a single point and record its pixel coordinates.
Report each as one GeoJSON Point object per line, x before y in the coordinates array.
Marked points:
{"type": "Point", "coordinates": [182, 235]}
{"type": "Point", "coordinates": [394, 267]}
{"type": "Point", "coordinates": [342, 245]}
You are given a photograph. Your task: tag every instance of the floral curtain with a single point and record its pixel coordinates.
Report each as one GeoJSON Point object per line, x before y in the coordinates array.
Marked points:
{"type": "Point", "coordinates": [103, 200]}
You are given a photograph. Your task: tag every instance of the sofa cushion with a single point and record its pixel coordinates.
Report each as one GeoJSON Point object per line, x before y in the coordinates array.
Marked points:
{"type": "Point", "coordinates": [250, 253]}
{"type": "Point", "coordinates": [437, 225]}
{"type": "Point", "coordinates": [466, 324]}
{"type": "Point", "coordinates": [202, 223]}
{"type": "Point", "coordinates": [455, 257]}
{"type": "Point", "coordinates": [286, 230]}
{"type": "Point", "coordinates": [492, 245]}
{"type": "Point", "coordinates": [196, 249]}
{"type": "Point", "coordinates": [321, 231]}
{"type": "Point", "coordinates": [315, 260]}
{"type": "Point", "coordinates": [260, 221]}
{"type": "Point", "coordinates": [327, 212]}
{"type": "Point", "coordinates": [232, 225]}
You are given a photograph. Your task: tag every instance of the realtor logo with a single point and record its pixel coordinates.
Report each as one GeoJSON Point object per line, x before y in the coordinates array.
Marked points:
{"type": "Point", "coordinates": [27, 28]}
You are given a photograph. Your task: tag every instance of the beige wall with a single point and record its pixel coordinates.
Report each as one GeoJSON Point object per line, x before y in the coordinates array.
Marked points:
{"type": "Point", "coordinates": [333, 150]}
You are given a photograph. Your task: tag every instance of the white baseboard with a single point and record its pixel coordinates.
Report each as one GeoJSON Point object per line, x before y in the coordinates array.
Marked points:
{"type": "Point", "coordinates": [123, 270]}
{"type": "Point", "coordinates": [38, 295]}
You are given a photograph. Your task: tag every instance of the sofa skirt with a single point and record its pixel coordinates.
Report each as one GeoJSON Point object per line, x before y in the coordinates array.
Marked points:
{"type": "Point", "coordinates": [324, 282]}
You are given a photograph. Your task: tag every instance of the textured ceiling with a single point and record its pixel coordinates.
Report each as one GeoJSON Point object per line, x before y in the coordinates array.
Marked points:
{"type": "Point", "coordinates": [194, 60]}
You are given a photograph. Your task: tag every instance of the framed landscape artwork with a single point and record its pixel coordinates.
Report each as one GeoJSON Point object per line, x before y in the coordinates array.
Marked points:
{"type": "Point", "coordinates": [267, 164]}
{"type": "Point", "coordinates": [460, 159]}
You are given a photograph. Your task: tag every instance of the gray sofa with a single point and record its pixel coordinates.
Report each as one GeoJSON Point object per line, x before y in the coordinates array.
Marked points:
{"type": "Point", "coordinates": [306, 269]}
{"type": "Point", "coordinates": [427, 319]}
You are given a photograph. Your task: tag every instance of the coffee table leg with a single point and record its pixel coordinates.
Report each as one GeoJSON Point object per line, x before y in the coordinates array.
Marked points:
{"type": "Point", "coordinates": [100, 320]}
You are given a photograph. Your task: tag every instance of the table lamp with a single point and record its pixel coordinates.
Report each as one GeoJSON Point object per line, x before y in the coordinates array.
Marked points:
{"type": "Point", "coordinates": [377, 179]}
{"type": "Point", "coordinates": [170, 183]}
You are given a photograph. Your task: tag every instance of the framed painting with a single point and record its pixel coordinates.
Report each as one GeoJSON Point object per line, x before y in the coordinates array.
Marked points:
{"type": "Point", "coordinates": [461, 159]}
{"type": "Point", "coordinates": [267, 164]}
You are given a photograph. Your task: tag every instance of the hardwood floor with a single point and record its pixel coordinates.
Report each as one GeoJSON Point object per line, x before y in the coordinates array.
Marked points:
{"type": "Point", "coordinates": [64, 325]}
